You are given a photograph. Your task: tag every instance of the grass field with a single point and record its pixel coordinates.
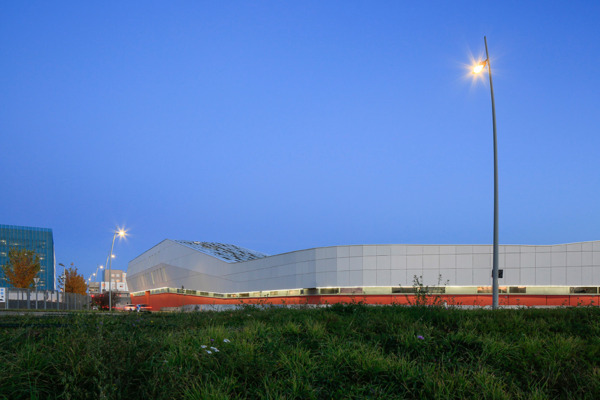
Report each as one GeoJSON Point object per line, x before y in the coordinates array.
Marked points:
{"type": "Point", "coordinates": [343, 351]}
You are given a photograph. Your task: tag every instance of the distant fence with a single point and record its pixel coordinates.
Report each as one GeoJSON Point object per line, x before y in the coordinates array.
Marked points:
{"type": "Point", "coordinates": [27, 299]}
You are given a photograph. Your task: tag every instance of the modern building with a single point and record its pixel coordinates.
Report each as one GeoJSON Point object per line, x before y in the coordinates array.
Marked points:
{"type": "Point", "coordinates": [178, 272]}
{"type": "Point", "coordinates": [39, 240]}
{"type": "Point", "coordinates": [94, 287]}
{"type": "Point", "coordinates": [118, 283]}
{"type": "Point", "coordinates": [118, 279]}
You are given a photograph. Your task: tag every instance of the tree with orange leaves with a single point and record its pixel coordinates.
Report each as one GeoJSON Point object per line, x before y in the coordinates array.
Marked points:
{"type": "Point", "coordinates": [72, 281]}
{"type": "Point", "coordinates": [23, 265]}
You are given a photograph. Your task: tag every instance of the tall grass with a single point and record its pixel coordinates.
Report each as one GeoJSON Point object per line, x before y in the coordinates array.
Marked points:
{"type": "Point", "coordinates": [344, 351]}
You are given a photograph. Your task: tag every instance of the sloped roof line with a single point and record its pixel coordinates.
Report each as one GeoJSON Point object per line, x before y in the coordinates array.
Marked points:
{"type": "Point", "coordinates": [226, 252]}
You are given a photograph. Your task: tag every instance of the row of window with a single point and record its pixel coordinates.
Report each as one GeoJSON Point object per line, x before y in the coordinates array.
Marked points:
{"type": "Point", "coordinates": [4, 254]}
{"type": "Point", "coordinates": [39, 244]}
{"type": "Point", "coordinates": [458, 290]}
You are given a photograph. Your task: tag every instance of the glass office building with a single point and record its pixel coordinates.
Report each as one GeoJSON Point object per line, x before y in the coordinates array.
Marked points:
{"type": "Point", "coordinates": [39, 240]}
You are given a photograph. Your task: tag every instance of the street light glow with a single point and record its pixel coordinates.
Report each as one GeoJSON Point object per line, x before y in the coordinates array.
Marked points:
{"type": "Point", "coordinates": [479, 67]}
{"type": "Point", "coordinates": [121, 232]}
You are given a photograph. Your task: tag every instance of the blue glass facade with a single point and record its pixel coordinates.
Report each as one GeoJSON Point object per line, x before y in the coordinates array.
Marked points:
{"type": "Point", "coordinates": [39, 240]}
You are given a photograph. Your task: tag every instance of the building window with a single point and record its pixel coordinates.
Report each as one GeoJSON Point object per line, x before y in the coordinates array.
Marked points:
{"type": "Point", "coordinates": [436, 290]}
{"type": "Point", "coordinates": [357, 290]}
{"type": "Point", "coordinates": [403, 290]}
{"type": "Point", "coordinates": [583, 290]}
{"type": "Point", "coordinates": [330, 291]}
{"type": "Point", "coordinates": [488, 289]}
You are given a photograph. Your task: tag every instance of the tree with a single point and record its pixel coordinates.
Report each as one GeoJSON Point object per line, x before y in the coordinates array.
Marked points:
{"type": "Point", "coordinates": [23, 265]}
{"type": "Point", "coordinates": [71, 281]}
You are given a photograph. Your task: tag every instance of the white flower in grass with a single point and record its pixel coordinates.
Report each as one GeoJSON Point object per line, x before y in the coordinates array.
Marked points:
{"type": "Point", "coordinates": [209, 352]}
{"type": "Point", "coordinates": [226, 340]}
{"type": "Point", "coordinates": [203, 346]}
{"type": "Point", "coordinates": [215, 349]}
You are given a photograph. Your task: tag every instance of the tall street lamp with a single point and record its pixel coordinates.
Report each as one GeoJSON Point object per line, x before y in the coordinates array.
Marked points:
{"type": "Point", "coordinates": [121, 233]}
{"type": "Point", "coordinates": [477, 69]}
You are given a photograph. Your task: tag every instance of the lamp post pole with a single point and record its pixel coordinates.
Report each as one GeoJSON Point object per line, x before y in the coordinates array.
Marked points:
{"type": "Point", "coordinates": [477, 69]}
{"type": "Point", "coordinates": [495, 250]}
{"type": "Point", "coordinates": [110, 273]}
{"type": "Point", "coordinates": [36, 280]}
{"type": "Point", "coordinates": [121, 233]}
{"type": "Point", "coordinates": [108, 257]}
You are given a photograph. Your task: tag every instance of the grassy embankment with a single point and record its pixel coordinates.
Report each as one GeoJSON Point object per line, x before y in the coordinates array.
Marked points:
{"type": "Point", "coordinates": [345, 351]}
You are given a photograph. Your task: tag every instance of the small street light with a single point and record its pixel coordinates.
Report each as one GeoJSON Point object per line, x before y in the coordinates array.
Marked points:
{"type": "Point", "coordinates": [36, 280]}
{"type": "Point", "coordinates": [477, 69]}
{"type": "Point", "coordinates": [63, 276]}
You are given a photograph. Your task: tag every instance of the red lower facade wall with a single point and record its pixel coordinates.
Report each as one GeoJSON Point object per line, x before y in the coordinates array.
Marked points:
{"type": "Point", "coordinates": [164, 300]}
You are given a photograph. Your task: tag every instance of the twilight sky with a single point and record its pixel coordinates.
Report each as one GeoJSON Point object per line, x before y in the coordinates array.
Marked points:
{"type": "Point", "coordinates": [280, 126]}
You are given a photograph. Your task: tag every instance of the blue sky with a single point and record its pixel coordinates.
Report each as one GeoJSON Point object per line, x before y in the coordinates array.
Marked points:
{"type": "Point", "coordinates": [279, 126]}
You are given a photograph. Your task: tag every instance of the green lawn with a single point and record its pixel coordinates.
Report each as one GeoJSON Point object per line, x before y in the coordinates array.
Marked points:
{"type": "Point", "coordinates": [344, 351]}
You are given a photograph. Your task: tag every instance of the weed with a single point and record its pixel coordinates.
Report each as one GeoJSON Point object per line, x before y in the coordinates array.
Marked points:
{"type": "Point", "coordinates": [423, 294]}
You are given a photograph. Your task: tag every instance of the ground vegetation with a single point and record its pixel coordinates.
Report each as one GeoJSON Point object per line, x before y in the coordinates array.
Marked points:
{"type": "Point", "coordinates": [351, 351]}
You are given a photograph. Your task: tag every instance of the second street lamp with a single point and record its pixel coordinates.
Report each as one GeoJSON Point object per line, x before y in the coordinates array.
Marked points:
{"type": "Point", "coordinates": [477, 69]}
{"type": "Point", "coordinates": [121, 233]}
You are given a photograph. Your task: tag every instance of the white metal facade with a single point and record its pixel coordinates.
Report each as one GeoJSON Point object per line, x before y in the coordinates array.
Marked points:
{"type": "Point", "coordinates": [173, 265]}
